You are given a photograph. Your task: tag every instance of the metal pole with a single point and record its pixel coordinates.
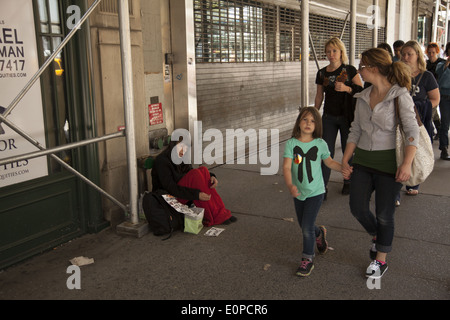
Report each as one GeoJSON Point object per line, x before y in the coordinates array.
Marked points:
{"type": "Point", "coordinates": [345, 25]}
{"type": "Point", "coordinates": [305, 54]}
{"type": "Point", "coordinates": [128, 100]}
{"type": "Point", "coordinates": [61, 162]}
{"type": "Point", "coordinates": [352, 49]}
{"type": "Point", "coordinates": [376, 23]}
{"type": "Point", "coordinates": [44, 152]}
{"type": "Point", "coordinates": [50, 59]}
{"type": "Point", "coordinates": [446, 26]}
{"type": "Point", "coordinates": [313, 49]}
{"type": "Point", "coordinates": [437, 5]}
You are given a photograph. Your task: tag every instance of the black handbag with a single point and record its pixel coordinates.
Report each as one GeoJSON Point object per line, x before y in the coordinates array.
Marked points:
{"type": "Point", "coordinates": [162, 219]}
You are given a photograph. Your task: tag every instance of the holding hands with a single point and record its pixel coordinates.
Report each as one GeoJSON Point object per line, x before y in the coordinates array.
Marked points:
{"type": "Point", "coordinates": [346, 170]}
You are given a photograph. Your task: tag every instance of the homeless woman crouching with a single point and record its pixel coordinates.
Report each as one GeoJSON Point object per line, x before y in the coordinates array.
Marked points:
{"type": "Point", "coordinates": [189, 185]}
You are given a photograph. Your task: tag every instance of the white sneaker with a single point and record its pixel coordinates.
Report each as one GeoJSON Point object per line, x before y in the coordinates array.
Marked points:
{"type": "Point", "coordinates": [376, 270]}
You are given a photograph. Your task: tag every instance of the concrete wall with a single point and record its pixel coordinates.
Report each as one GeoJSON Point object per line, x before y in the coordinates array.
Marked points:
{"type": "Point", "coordinates": [156, 44]}
{"type": "Point", "coordinates": [109, 98]}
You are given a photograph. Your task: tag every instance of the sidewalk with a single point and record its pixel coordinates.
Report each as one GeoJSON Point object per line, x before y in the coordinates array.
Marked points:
{"type": "Point", "coordinates": [256, 257]}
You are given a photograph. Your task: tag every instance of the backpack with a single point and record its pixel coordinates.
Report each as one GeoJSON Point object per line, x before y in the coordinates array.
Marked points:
{"type": "Point", "coordinates": [161, 217]}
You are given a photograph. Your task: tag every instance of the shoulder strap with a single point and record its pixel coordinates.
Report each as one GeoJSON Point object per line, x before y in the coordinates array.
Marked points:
{"type": "Point", "coordinates": [415, 85]}
{"type": "Point", "coordinates": [421, 75]}
{"type": "Point", "coordinates": [397, 114]}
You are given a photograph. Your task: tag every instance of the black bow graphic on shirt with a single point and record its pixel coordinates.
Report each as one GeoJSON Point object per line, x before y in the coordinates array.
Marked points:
{"type": "Point", "coordinates": [311, 155]}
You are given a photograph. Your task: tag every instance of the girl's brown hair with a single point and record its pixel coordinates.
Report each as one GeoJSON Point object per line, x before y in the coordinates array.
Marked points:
{"type": "Point", "coordinates": [397, 72]}
{"type": "Point", "coordinates": [317, 122]}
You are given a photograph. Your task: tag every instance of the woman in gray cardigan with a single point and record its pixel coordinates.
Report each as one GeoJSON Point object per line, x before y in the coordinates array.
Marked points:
{"type": "Point", "coordinates": [371, 142]}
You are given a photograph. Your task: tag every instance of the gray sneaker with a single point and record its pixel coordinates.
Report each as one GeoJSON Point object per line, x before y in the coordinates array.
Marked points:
{"type": "Point", "coordinates": [321, 240]}
{"type": "Point", "coordinates": [305, 268]}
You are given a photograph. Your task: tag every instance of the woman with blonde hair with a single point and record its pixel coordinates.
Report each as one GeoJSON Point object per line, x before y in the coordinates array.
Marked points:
{"type": "Point", "coordinates": [371, 143]}
{"type": "Point", "coordinates": [338, 82]}
{"type": "Point", "coordinates": [424, 91]}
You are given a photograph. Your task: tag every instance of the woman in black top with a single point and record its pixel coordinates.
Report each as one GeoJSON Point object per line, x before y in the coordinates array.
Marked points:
{"type": "Point", "coordinates": [338, 82]}
{"type": "Point", "coordinates": [424, 90]}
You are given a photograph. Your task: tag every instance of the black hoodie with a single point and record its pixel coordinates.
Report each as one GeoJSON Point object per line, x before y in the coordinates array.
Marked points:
{"type": "Point", "coordinates": [166, 174]}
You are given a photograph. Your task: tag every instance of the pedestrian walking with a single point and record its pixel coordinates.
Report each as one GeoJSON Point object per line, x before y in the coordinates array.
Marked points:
{"type": "Point", "coordinates": [434, 59]}
{"type": "Point", "coordinates": [302, 171]}
{"type": "Point", "coordinates": [443, 74]}
{"type": "Point", "coordinates": [371, 143]}
{"type": "Point", "coordinates": [338, 82]}
{"type": "Point", "coordinates": [424, 91]}
{"type": "Point", "coordinates": [397, 50]}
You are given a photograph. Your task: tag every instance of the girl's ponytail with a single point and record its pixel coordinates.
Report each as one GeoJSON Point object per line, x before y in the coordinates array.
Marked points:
{"type": "Point", "coordinates": [397, 72]}
{"type": "Point", "coordinates": [400, 73]}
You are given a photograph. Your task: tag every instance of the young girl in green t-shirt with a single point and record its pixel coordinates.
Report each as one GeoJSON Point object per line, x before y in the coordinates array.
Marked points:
{"type": "Point", "coordinates": [303, 156]}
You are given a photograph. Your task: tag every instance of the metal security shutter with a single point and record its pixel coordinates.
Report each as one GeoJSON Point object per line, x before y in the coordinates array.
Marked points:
{"type": "Point", "coordinates": [248, 62]}
{"type": "Point", "coordinates": [250, 95]}
{"type": "Point", "coordinates": [247, 65]}
{"type": "Point", "coordinates": [322, 28]}
{"type": "Point", "coordinates": [230, 31]}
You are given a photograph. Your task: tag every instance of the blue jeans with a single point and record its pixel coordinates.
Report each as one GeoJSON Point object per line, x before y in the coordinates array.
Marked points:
{"type": "Point", "coordinates": [307, 211]}
{"type": "Point", "coordinates": [331, 126]}
{"type": "Point", "coordinates": [381, 225]}
{"type": "Point", "coordinates": [444, 108]}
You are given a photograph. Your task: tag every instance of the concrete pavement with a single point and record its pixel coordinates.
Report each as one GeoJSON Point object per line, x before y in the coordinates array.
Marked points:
{"type": "Point", "coordinates": [256, 257]}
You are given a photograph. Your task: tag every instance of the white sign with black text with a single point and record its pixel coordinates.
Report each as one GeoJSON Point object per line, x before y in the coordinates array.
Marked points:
{"type": "Point", "coordinates": [18, 64]}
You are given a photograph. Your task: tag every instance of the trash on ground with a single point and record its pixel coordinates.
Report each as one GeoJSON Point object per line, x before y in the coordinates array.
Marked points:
{"type": "Point", "coordinates": [81, 261]}
{"type": "Point", "coordinates": [214, 232]}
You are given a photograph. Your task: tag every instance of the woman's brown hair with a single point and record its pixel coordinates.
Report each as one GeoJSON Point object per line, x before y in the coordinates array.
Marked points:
{"type": "Point", "coordinates": [317, 122]}
{"type": "Point", "coordinates": [397, 72]}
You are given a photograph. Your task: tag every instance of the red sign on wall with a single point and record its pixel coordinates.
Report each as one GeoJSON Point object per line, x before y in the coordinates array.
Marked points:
{"type": "Point", "coordinates": [155, 113]}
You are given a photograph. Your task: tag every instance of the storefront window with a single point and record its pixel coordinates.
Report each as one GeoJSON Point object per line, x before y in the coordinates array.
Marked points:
{"type": "Point", "coordinates": [57, 120]}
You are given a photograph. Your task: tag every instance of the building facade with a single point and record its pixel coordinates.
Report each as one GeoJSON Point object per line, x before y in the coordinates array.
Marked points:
{"type": "Point", "coordinates": [224, 64]}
